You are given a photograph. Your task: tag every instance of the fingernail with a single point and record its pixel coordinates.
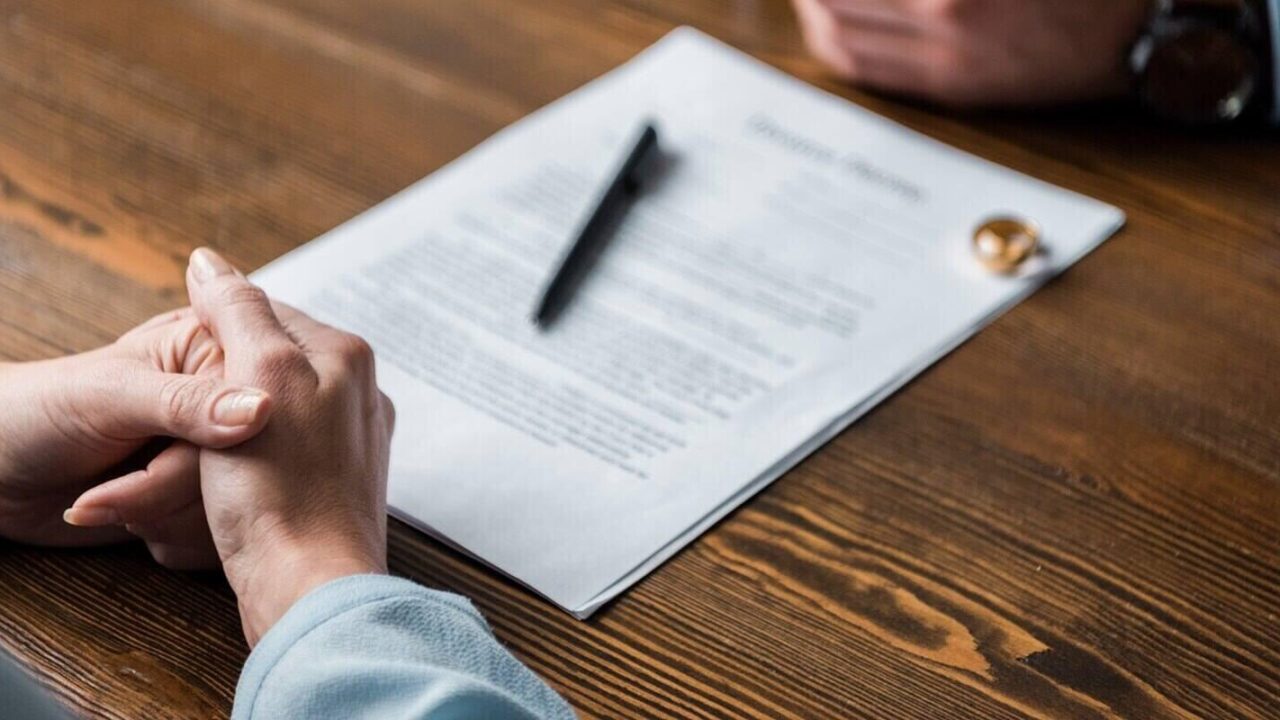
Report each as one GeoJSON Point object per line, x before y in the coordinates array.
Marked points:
{"type": "Point", "coordinates": [238, 408]}
{"type": "Point", "coordinates": [207, 264]}
{"type": "Point", "coordinates": [91, 517]}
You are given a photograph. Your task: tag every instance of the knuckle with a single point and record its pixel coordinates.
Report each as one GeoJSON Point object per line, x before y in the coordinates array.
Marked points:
{"type": "Point", "coordinates": [949, 12]}
{"type": "Point", "coordinates": [282, 369]}
{"type": "Point", "coordinates": [182, 399]}
{"type": "Point", "coordinates": [236, 292]}
{"type": "Point", "coordinates": [356, 351]}
{"type": "Point", "coordinates": [279, 360]}
{"type": "Point", "coordinates": [389, 411]}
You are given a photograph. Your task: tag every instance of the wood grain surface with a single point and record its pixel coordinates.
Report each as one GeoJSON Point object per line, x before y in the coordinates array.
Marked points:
{"type": "Point", "coordinates": [1076, 514]}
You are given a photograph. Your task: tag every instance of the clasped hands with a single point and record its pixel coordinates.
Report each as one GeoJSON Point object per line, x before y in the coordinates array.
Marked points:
{"type": "Point", "coordinates": [235, 432]}
{"type": "Point", "coordinates": [970, 53]}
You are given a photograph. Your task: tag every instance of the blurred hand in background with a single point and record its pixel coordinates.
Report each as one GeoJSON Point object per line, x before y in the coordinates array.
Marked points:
{"type": "Point", "coordinates": [968, 53]}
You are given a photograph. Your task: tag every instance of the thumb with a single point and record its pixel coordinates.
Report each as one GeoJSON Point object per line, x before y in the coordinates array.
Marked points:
{"type": "Point", "coordinates": [143, 403]}
{"type": "Point", "coordinates": [239, 315]}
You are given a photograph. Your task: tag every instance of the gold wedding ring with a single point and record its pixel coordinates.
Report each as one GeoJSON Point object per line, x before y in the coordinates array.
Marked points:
{"type": "Point", "coordinates": [1003, 244]}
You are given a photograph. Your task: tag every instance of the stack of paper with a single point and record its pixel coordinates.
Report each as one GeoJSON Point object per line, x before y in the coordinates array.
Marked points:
{"type": "Point", "coordinates": [796, 261]}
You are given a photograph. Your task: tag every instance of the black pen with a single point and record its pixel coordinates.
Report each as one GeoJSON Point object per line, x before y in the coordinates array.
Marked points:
{"type": "Point", "coordinates": [591, 238]}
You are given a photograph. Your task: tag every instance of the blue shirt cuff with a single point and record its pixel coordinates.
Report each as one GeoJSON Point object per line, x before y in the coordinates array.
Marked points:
{"type": "Point", "coordinates": [328, 602]}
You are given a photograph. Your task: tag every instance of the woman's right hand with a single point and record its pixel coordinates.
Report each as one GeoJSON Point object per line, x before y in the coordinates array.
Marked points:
{"type": "Point", "coordinates": [304, 502]}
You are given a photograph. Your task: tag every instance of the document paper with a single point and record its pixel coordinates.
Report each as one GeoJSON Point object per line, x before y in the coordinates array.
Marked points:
{"type": "Point", "coordinates": [793, 261]}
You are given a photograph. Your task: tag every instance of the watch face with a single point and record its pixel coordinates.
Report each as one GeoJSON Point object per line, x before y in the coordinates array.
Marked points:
{"type": "Point", "coordinates": [1199, 75]}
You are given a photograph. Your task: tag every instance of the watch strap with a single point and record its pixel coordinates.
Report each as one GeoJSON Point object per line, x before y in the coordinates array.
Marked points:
{"type": "Point", "coordinates": [1249, 21]}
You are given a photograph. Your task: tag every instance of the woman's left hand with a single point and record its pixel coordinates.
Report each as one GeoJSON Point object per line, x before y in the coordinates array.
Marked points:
{"type": "Point", "coordinates": [113, 414]}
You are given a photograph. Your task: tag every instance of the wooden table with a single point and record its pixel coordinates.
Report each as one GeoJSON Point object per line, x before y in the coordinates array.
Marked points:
{"type": "Point", "coordinates": [1077, 514]}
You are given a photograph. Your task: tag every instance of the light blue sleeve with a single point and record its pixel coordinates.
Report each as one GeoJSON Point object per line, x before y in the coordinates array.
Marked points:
{"type": "Point", "coordinates": [371, 646]}
{"type": "Point", "coordinates": [22, 698]}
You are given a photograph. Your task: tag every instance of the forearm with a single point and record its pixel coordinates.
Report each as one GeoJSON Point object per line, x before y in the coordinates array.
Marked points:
{"type": "Point", "coordinates": [6, 448]}
{"type": "Point", "coordinates": [16, 404]}
{"type": "Point", "coordinates": [28, 436]}
{"type": "Point", "coordinates": [42, 434]}
{"type": "Point", "coordinates": [371, 646]}
{"type": "Point", "coordinates": [39, 441]}
{"type": "Point", "coordinates": [269, 577]}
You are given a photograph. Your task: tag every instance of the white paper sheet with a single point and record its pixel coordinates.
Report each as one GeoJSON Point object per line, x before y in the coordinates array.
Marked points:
{"type": "Point", "coordinates": [796, 261]}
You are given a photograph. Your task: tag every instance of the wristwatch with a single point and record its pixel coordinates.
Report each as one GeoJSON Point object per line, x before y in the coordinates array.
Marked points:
{"type": "Point", "coordinates": [1204, 62]}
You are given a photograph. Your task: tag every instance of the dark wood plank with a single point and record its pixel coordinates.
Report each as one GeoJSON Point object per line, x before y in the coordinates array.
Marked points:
{"type": "Point", "coordinates": [1077, 514]}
